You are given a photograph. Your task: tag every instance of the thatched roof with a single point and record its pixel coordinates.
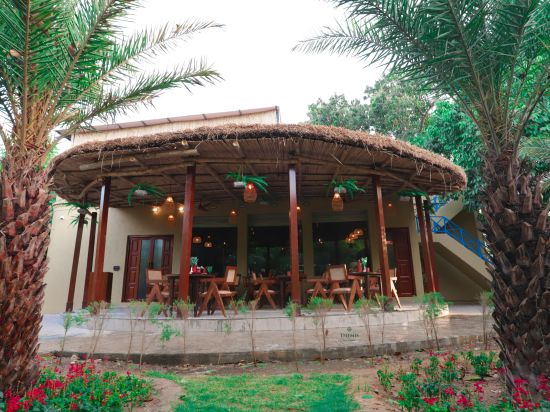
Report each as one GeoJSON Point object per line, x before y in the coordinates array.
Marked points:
{"type": "Point", "coordinates": [320, 154]}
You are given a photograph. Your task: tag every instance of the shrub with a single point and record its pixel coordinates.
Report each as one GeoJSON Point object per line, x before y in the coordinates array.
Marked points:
{"type": "Point", "coordinates": [481, 363]}
{"type": "Point", "coordinates": [81, 388]}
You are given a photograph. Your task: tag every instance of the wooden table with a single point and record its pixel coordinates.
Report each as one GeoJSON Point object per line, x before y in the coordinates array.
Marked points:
{"type": "Point", "coordinates": [196, 287]}
{"type": "Point", "coordinates": [366, 276]}
{"type": "Point", "coordinates": [283, 281]}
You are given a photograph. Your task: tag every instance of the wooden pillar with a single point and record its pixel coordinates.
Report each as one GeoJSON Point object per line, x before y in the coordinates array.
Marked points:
{"type": "Point", "coordinates": [76, 258]}
{"type": "Point", "coordinates": [294, 254]}
{"type": "Point", "coordinates": [90, 261]}
{"type": "Point", "coordinates": [431, 251]}
{"type": "Point", "coordinates": [187, 232]}
{"type": "Point", "coordinates": [99, 284]}
{"type": "Point", "coordinates": [424, 241]}
{"type": "Point", "coordinates": [383, 247]}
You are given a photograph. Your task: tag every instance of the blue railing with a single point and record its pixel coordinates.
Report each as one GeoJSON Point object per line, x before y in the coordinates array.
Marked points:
{"type": "Point", "coordinates": [442, 224]}
{"type": "Point", "coordinates": [438, 202]}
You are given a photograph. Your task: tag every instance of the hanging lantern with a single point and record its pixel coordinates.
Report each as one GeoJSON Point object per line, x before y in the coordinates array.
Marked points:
{"type": "Point", "coordinates": [349, 240]}
{"type": "Point", "coordinates": [155, 210]}
{"type": "Point", "coordinates": [180, 209]}
{"type": "Point", "coordinates": [197, 240]}
{"type": "Point", "coordinates": [208, 242]}
{"type": "Point", "coordinates": [359, 232]}
{"type": "Point", "coordinates": [250, 194]}
{"type": "Point", "coordinates": [233, 217]}
{"type": "Point", "coordinates": [171, 218]}
{"type": "Point", "coordinates": [337, 202]}
{"type": "Point", "coordinates": [169, 199]}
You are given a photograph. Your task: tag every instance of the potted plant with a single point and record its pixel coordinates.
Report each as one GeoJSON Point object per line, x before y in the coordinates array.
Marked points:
{"type": "Point", "coordinates": [341, 187]}
{"type": "Point", "coordinates": [142, 190]}
{"type": "Point", "coordinates": [194, 264]}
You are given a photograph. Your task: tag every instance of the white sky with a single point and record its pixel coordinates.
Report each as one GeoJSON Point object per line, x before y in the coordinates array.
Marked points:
{"type": "Point", "coordinates": [253, 54]}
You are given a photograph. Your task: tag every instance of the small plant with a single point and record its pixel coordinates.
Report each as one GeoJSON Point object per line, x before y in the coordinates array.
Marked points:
{"type": "Point", "coordinates": [415, 366]}
{"type": "Point", "coordinates": [385, 305]}
{"type": "Point", "coordinates": [250, 320]}
{"type": "Point", "coordinates": [137, 309]}
{"type": "Point", "coordinates": [409, 395]}
{"type": "Point", "coordinates": [292, 310]}
{"type": "Point", "coordinates": [482, 363]}
{"type": "Point", "coordinates": [385, 377]}
{"type": "Point", "coordinates": [432, 305]}
{"type": "Point", "coordinates": [320, 307]}
{"type": "Point", "coordinates": [98, 311]}
{"type": "Point", "coordinates": [227, 325]}
{"type": "Point", "coordinates": [71, 319]}
{"type": "Point", "coordinates": [239, 178]}
{"type": "Point", "coordinates": [363, 308]}
{"type": "Point", "coordinates": [487, 307]}
{"type": "Point", "coordinates": [345, 186]}
{"type": "Point", "coordinates": [167, 329]}
{"type": "Point", "coordinates": [185, 309]}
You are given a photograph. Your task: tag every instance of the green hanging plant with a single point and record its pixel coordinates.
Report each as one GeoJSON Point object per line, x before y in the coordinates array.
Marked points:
{"type": "Point", "coordinates": [258, 181]}
{"type": "Point", "coordinates": [343, 186]}
{"type": "Point", "coordinates": [83, 207]}
{"type": "Point", "coordinates": [145, 189]}
{"type": "Point", "coordinates": [412, 193]}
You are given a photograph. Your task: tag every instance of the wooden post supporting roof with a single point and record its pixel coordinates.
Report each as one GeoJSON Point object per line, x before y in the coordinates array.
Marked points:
{"type": "Point", "coordinates": [424, 242]}
{"type": "Point", "coordinates": [86, 299]}
{"type": "Point", "coordinates": [384, 264]}
{"type": "Point", "coordinates": [187, 232]}
{"type": "Point", "coordinates": [294, 244]}
{"type": "Point", "coordinates": [99, 283]}
{"type": "Point", "coordinates": [434, 280]}
{"type": "Point", "coordinates": [76, 258]}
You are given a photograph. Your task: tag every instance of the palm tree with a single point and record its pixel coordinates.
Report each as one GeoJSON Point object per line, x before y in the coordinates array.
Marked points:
{"type": "Point", "coordinates": [63, 63]}
{"type": "Point", "coordinates": [492, 57]}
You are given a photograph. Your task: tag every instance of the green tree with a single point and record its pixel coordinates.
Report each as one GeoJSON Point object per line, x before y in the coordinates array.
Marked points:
{"type": "Point", "coordinates": [340, 112]}
{"type": "Point", "coordinates": [491, 57]}
{"type": "Point", "coordinates": [397, 108]}
{"type": "Point", "coordinates": [64, 63]}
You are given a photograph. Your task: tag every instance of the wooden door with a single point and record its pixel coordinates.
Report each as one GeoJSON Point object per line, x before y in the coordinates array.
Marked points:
{"type": "Point", "coordinates": [399, 256]}
{"type": "Point", "coordinates": [145, 252]}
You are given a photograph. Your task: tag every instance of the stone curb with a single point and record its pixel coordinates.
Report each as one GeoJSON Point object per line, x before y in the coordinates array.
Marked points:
{"type": "Point", "coordinates": [283, 355]}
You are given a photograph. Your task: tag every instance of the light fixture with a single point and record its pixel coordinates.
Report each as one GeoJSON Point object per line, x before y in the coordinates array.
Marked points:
{"type": "Point", "coordinates": [208, 242]}
{"type": "Point", "coordinates": [337, 202]}
{"type": "Point", "coordinates": [169, 199]}
{"type": "Point", "coordinates": [197, 240]}
{"type": "Point", "coordinates": [155, 210]}
{"type": "Point", "coordinates": [250, 194]}
{"type": "Point", "coordinates": [171, 218]}
{"type": "Point", "coordinates": [180, 209]}
{"type": "Point", "coordinates": [233, 216]}
{"type": "Point", "coordinates": [390, 204]}
{"type": "Point", "coordinates": [359, 232]}
{"type": "Point", "coordinates": [349, 240]}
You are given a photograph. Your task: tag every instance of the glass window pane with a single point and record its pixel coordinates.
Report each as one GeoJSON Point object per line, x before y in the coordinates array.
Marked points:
{"type": "Point", "coordinates": [157, 254]}
{"type": "Point", "coordinates": [143, 265]}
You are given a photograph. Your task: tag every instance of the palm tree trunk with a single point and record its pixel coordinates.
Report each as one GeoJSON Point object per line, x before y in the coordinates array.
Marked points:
{"type": "Point", "coordinates": [24, 240]}
{"type": "Point", "coordinates": [516, 227]}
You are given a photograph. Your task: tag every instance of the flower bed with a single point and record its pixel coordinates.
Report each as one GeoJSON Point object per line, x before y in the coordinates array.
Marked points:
{"type": "Point", "coordinates": [81, 388]}
{"type": "Point", "coordinates": [441, 384]}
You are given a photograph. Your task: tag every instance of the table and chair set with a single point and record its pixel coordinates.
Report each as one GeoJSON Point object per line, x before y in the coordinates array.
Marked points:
{"type": "Point", "coordinates": [209, 292]}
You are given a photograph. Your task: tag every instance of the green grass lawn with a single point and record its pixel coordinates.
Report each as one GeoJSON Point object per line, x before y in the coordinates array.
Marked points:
{"type": "Point", "coordinates": [317, 392]}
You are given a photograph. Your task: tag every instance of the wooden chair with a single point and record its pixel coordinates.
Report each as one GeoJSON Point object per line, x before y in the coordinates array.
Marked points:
{"type": "Point", "coordinates": [339, 285]}
{"type": "Point", "coordinates": [393, 285]}
{"type": "Point", "coordinates": [319, 286]}
{"type": "Point", "coordinates": [220, 289]}
{"type": "Point", "coordinates": [263, 289]}
{"type": "Point", "coordinates": [158, 286]}
{"type": "Point", "coordinates": [374, 285]}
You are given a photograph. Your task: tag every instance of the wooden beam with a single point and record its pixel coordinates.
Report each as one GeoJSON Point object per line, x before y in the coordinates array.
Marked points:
{"type": "Point", "coordinates": [435, 278]}
{"type": "Point", "coordinates": [115, 162]}
{"type": "Point", "coordinates": [99, 283]}
{"type": "Point", "coordinates": [76, 258]}
{"type": "Point", "coordinates": [86, 299]}
{"type": "Point", "coordinates": [384, 264]}
{"type": "Point", "coordinates": [217, 178]}
{"type": "Point", "coordinates": [187, 233]}
{"type": "Point", "coordinates": [294, 243]}
{"type": "Point", "coordinates": [424, 242]}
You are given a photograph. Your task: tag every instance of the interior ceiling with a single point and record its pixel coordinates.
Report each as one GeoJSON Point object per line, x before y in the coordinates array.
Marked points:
{"type": "Point", "coordinates": [78, 177]}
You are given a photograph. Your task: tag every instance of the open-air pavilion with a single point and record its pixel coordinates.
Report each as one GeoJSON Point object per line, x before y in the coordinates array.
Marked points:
{"type": "Point", "coordinates": [297, 161]}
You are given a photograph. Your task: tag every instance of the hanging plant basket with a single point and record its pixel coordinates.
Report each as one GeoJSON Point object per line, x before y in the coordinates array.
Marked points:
{"type": "Point", "coordinates": [342, 187]}
{"type": "Point", "coordinates": [250, 183]}
{"type": "Point", "coordinates": [142, 190]}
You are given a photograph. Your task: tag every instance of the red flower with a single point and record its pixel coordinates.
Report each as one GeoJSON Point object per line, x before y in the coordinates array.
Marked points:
{"type": "Point", "coordinates": [449, 391]}
{"type": "Point", "coordinates": [463, 401]}
{"type": "Point", "coordinates": [430, 401]}
{"type": "Point", "coordinates": [478, 387]}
